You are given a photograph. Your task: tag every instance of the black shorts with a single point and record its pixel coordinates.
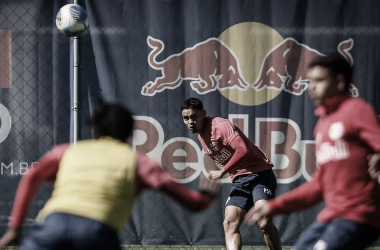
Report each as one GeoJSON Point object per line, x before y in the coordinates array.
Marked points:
{"type": "Point", "coordinates": [67, 231]}
{"type": "Point", "coordinates": [247, 189]}
{"type": "Point", "coordinates": [337, 234]}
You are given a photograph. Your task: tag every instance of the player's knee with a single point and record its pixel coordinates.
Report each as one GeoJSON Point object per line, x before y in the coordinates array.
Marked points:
{"type": "Point", "coordinates": [230, 225]}
{"type": "Point", "coordinates": [264, 224]}
{"type": "Point", "coordinates": [226, 224]}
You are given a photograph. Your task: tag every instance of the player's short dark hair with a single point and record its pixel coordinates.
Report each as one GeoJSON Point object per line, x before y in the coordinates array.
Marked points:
{"type": "Point", "coordinates": [112, 119]}
{"type": "Point", "coordinates": [336, 64]}
{"type": "Point", "coordinates": [192, 103]}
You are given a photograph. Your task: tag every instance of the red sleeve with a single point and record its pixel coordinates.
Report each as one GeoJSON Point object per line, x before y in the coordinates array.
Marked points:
{"type": "Point", "coordinates": [44, 170]}
{"type": "Point", "coordinates": [240, 151]}
{"type": "Point", "coordinates": [369, 127]}
{"type": "Point", "coordinates": [149, 174]}
{"type": "Point", "coordinates": [305, 196]}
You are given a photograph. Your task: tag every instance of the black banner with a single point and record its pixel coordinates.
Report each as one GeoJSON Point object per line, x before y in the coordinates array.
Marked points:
{"type": "Point", "coordinates": [245, 60]}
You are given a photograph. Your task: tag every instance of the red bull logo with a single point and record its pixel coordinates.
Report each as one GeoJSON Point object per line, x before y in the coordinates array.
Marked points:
{"type": "Point", "coordinates": [239, 67]}
{"type": "Point", "coordinates": [210, 65]}
{"type": "Point", "coordinates": [249, 64]}
{"type": "Point", "coordinates": [284, 67]}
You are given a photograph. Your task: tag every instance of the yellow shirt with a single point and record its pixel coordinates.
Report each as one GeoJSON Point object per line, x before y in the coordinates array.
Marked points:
{"type": "Point", "coordinates": [95, 179]}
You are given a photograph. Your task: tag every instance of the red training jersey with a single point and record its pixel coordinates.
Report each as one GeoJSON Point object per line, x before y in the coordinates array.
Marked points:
{"type": "Point", "coordinates": [216, 139]}
{"type": "Point", "coordinates": [346, 133]}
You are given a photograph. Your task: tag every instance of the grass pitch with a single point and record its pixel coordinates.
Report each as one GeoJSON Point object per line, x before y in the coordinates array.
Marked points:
{"type": "Point", "coordinates": [188, 247]}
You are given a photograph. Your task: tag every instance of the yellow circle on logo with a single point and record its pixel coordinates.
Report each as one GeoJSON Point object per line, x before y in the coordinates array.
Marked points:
{"type": "Point", "coordinates": [250, 42]}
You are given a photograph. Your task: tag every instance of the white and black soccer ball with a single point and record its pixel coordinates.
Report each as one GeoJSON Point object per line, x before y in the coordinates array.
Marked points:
{"type": "Point", "coordinates": [71, 20]}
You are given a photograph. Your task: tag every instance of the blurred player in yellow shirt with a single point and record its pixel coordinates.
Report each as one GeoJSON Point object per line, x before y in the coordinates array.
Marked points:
{"type": "Point", "coordinates": [96, 182]}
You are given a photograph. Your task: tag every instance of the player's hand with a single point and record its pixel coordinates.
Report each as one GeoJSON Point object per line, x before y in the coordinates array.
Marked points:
{"type": "Point", "coordinates": [257, 212]}
{"type": "Point", "coordinates": [374, 166]}
{"type": "Point", "coordinates": [215, 175]}
{"type": "Point", "coordinates": [209, 187]}
{"type": "Point", "coordinates": [10, 237]}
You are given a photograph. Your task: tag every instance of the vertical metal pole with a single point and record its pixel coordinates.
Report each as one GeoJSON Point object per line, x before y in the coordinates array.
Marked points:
{"type": "Point", "coordinates": [75, 90]}
{"type": "Point", "coordinates": [75, 107]}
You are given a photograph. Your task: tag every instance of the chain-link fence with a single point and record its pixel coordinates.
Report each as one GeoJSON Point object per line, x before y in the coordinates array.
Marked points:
{"type": "Point", "coordinates": [35, 95]}
{"type": "Point", "coordinates": [36, 87]}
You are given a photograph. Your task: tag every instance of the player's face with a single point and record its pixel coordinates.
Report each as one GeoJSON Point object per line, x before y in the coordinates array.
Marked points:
{"type": "Point", "coordinates": [193, 119]}
{"type": "Point", "coordinates": [322, 85]}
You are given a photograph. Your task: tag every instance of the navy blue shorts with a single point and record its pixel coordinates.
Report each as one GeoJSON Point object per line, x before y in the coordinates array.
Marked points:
{"type": "Point", "coordinates": [65, 231]}
{"type": "Point", "coordinates": [339, 234]}
{"type": "Point", "coordinates": [247, 189]}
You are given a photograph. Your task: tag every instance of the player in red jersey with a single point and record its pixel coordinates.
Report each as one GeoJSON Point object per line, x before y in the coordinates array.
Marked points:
{"type": "Point", "coordinates": [347, 138]}
{"type": "Point", "coordinates": [96, 182]}
{"type": "Point", "coordinates": [252, 177]}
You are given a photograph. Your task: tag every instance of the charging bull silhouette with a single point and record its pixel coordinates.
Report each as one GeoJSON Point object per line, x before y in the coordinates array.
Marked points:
{"type": "Point", "coordinates": [210, 65]}
{"type": "Point", "coordinates": [285, 66]}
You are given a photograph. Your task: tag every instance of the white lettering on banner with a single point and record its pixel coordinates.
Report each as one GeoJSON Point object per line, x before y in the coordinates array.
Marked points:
{"type": "Point", "coordinates": [14, 169]}
{"type": "Point", "coordinates": [281, 140]}
{"type": "Point", "coordinates": [7, 167]}
{"type": "Point", "coordinates": [183, 159]}
{"type": "Point", "coordinates": [6, 123]}
{"type": "Point", "coordinates": [180, 158]}
{"type": "Point", "coordinates": [241, 121]}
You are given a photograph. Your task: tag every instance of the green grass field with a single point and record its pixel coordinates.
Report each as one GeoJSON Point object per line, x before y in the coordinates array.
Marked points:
{"type": "Point", "coordinates": [187, 247]}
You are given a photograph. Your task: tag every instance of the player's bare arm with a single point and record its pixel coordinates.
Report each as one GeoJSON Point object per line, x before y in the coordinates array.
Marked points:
{"type": "Point", "coordinates": [257, 212]}
{"type": "Point", "coordinates": [215, 175]}
{"type": "Point", "coordinates": [374, 165]}
{"type": "Point", "coordinates": [207, 186]}
{"type": "Point", "coordinates": [10, 237]}
{"type": "Point", "coordinates": [45, 170]}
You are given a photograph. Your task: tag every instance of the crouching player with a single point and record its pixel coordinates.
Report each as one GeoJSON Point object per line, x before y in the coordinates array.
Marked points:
{"type": "Point", "coordinates": [96, 182]}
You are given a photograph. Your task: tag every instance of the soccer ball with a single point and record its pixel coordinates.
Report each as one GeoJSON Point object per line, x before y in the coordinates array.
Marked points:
{"type": "Point", "coordinates": [71, 20]}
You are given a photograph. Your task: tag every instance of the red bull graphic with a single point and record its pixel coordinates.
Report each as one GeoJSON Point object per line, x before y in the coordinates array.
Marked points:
{"type": "Point", "coordinates": [210, 65]}
{"type": "Point", "coordinates": [184, 160]}
{"type": "Point", "coordinates": [284, 67]}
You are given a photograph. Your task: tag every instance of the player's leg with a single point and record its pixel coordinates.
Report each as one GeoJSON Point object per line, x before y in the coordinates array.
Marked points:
{"type": "Point", "coordinates": [234, 216]}
{"type": "Point", "coordinates": [88, 234]}
{"type": "Point", "coordinates": [264, 188]}
{"type": "Point", "coordinates": [50, 234]}
{"type": "Point", "coordinates": [309, 238]}
{"type": "Point", "coordinates": [237, 205]}
{"type": "Point", "coordinates": [271, 235]}
{"type": "Point", "coordinates": [342, 234]}
{"type": "Point", "coordinates": [67, 231]}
